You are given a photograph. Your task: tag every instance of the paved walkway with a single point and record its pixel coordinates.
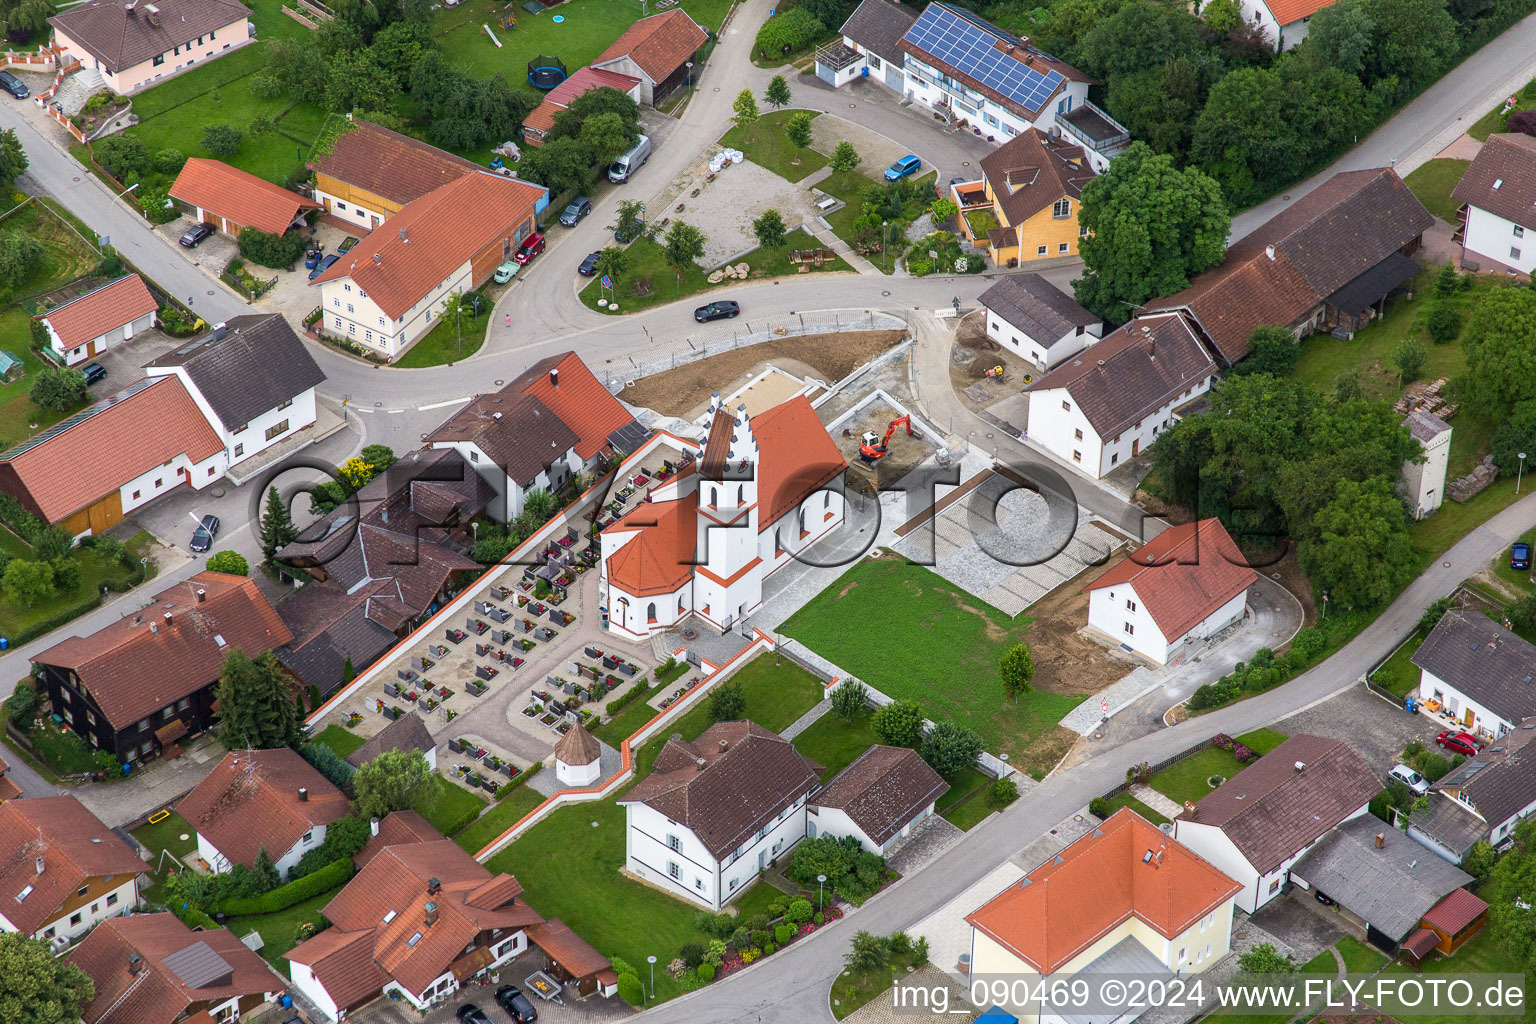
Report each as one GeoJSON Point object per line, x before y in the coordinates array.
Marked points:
{"type": "Point", "coordinates": [1157, 801]}
{"type": "Point", "coordinates": [160, 784]}
{"type": "Point", "coordinates": [807, 720]}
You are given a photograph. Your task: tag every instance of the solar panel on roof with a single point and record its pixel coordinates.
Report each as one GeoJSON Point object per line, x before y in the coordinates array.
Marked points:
{"type": "Point", "coordinates": [970, 46]}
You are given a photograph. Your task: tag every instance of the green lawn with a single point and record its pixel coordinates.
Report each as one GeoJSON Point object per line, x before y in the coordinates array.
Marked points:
{"type": "Point", "coordinates": [648, 280]}
{"type": "Point", "coordinates": [835, 743]}
{"type": "Point", "coordinates": [1493, 121]}
{"type": "Point", "coordinates": [450, 806]}
{"type": "Point", "coordinates": [1482, 954]}
{"type": "Point", "coordinates": [764, 142]}
{"type": "Point", "coordinates": [623, 725]}
{"type": "Point", "coordinates": [447, 343]}
{"type": "Point", "coordinates": [1433, 182]}
{"type": "Point", "coordinates": [966, 803]}
{"type": "Point", "coordinates": [1185, 781]}
{"type": "Point", "coordinates": [1126, 800]}
{"type": "Point", "coordinates": [981, 221]}
{"type": "Point", "coordinates": [1360, 958]}
{"type": "Point", "coordinates": [20, 417]}
{"type": "Point", "coordinates": [853, 990]}
{"type": "Point", "coordinates": [910, 634]}
{"type": "Point", "coordinates": [66, 256]}
{"type": "Point", "coordinates": [1263, 740]}
{"type": "Point", "coordinates": [502, 816]}
{"type": "Point", "coordinates": [1399, 674]}
{"type": "Point", "coordinates": [20, 622]}
{"type": "Point", "coordinates": [278, 930]}
{"type": "Point", "coordinates": [849, 187]}
{"type": "Point", "coordinates": [340, 739]}
{"type": "Point", "coordinates": [164, 835]}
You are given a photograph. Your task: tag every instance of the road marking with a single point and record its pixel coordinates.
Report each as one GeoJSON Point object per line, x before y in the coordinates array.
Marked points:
{"type": "Point", "coordinates": [443, 405]}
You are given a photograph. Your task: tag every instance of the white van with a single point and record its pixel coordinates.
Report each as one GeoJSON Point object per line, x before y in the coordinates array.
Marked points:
{"type": "Point", "coordinates": [627, 164]}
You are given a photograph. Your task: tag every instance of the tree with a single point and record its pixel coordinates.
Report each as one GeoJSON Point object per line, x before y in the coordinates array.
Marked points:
{"type": "Point", "coordinates": [1264, 958]}
{"type": "Point", "coordinates": [798, 128]}
{"type": "Point", "coordinates": [124, 155]}
{"type": "Point", "coordinates": [606, 136]}
{"type": "Point", "coordinates": [788, 31]}
{"type": "Point", "coordinates": [1510, 892]}
{"type": "Point", "coordinates": [265, 872]}
{"type": "Point", "coordinates": [13, 159]}
{"type": "Point", "coordinates": [850, 699]}
{"type": "Point", "coordinates": [845, 158]}
{"type": "Point", "coordinates": [1272, 350]}
{"type": "Point", "coordinates": [20, 255]}
{"type": "Point", "coordinates": [1522, 613]}
{"type": "Point", "coordinates": [37, 987]}
{"type": "Point", "coordinates": [727, 702]}
{"type": "Point", "coordinates": [1159, 104]}
{"type": "Point", "coordinates": [1017, 670]}
{"type": "Point", "coordinates": [1480, 859]}
{"type": "Point", "coordinates": [1150, 227]}
{"type": "Point", "coordinates": [867, 953]}
{"type": "Point", "coordinates": [328, 763]}
{"type": "Point", "coordinates": [1408, 357]}
{"type": "Point", "coordinates": [744, 109]}
{"type": "Point", "coordinates": [950, 749]}
{"type": "Point", "coordinates": [1522, 122]}
{"type": "Point", "coordinates": [396, 780]}
{"type": "Point", "coordinates": [256, 703]}
{"type": "Point", "coordinates": [221, 139]}
{"type": "Point", "coordinates": [539, 505]}
{"type": "Point", "coordinates": [1363, 554]}
{"type": "Point", "coordinates": [1138, 36]}
{"type": "Point", "coordinates": [1443, 323]}
{"type": "Point", "coordinates": [563, 165]}
{"type": "Point", "coordinates": [277, 529]}
{"type": "Point", "coordinates": [611, 261]}
{"type": "Point", "coordinates": [1447, 281]}
{"type": "Point", "coordinates": [1412, 40]}
{"type": "Point", "coordinates": [899, 723]}
{"type": "Point", "coordinates": [267, 250]}
{"type": "Point", "coordinates": [941, 210]}
{"type": "Point", "coordinates": [232, 562]}
{"type": "Point", "coordinates": [59, 388]}
{"type": "Point", "coordinates": [631, 219]}
{"type": "Point", "coordinates": [777, 93]}
{"type": "Point", "coordinates": [682, 245]}
{"type": "Point", "coordinates": [1515, 433]}
{"type": "Point", "coordinates": [26, 582]}
{"type": "Point", "coordinates": [769, 229]}
{"type": "Point", "coordinates": [1341, 36]}
{"type": "Point", "coordinates": [380, 456]}
{"type": "Point", "coordinates": [1500, 344]}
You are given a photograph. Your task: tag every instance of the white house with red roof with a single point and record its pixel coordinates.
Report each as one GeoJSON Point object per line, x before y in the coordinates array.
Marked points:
{"type": "Point", "coordinates": [1188, 584]}
{"type": "Point", "coordinates": [659, 52]}
{"type": "Point", "coordinates": [86, 326]}
{"type": "Point", "coordinates": [1282, 23]}
{"type": "Point", "coordinates": [760, 489]}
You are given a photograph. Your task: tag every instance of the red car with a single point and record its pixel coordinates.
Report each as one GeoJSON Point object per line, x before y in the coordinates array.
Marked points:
{"type": "Point", "coordinates": [1458, 742]}
{"type": "Point", "coordinates": [531, 247]}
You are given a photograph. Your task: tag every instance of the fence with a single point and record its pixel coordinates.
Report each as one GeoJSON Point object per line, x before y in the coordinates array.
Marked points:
{"type": "Point", "coordinates": [37, 60]}
{"type": "Point", "coordinates": [58, 115]}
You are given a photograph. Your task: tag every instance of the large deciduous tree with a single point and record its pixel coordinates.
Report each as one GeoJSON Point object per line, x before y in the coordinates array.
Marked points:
{"type": "Point", "coordinates": [37, 987]}
{"type": "Point", "coordinates": [1341, 35]}
{"type": "Point", "coordinates": [396, 780]}
{"type": "Point", "coordinates": [1363, 554]}
{"type": "Point", "coordinates": [1500, 343]}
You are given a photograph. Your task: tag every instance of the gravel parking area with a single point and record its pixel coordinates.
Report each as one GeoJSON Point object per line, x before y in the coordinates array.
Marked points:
{"type": "Point", "coordinates": [725, 208]}
{"type": "Point", "coordinates": [878, 151]}
{"type": "Point", "coordinates": [1376, 729]}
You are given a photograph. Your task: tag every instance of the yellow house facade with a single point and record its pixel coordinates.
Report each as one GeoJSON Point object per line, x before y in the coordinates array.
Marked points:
{"type": "Point", "coordinates": [1025, 205]}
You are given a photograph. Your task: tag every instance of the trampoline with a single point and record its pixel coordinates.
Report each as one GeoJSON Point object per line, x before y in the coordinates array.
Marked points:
{"type": "Point", "coordinates": [546, 72]}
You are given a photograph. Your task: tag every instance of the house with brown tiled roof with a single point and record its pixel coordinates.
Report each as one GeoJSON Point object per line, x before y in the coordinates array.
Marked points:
{"type": "Point", "coordinates": [213, 192]}
{"type": "Point", "coordinates": [878, 799]}
{"type": "Point", "coordinates": [391, 288]}
{"type": "Point", "coordinates": [87, 325]}
{"type": "Point", "coordinates": [139, 686]}
{"type": "Point", "coordinates": [1108, 403]}
{"type": "Point", "coordinates": [403, 735]}
{"type": "Point", "coordinates": [1035, 320]}
{"type": "Point", "coordinates": [152, 969]}
{"type": "Point", "coordinates": [1497, 193]}
{"type": "Point", "coordinates": [552, 422]}
{"type": "Point", "coordinates": [1025, 205]}
{"type": "Point", "coordinates": [541, 120]}
{"type": "Point", "coordinates": [62, 870]}
{"type": "Point", "coordinates": [1256, 825]}
{"type": "Point", "coordinates": [8, 788]}
{"type": "Point", "coordinates": [256, 800]}
{"type": "Point", "coordinates": [420, 919]}
{"type": "Point", "coordinates": [658, 51]}
{"type": "Point", "coordinates": [715, 811]}
{"type": "Point", "coordinates": [366, 174]}
{"type": "Point", "coordinates": [1124, 899]}
{"type": "Point", "coordinates": [394, 828]}
{"type": "Point", "coordinates": [133, 44]}
{"type": "Point", "coordinates": [1326, 262]}
{"type": "Point", "coordinates": [1184, 586]}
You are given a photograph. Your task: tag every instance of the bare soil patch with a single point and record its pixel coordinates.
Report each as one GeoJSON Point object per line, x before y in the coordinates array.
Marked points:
{"type": "Point", "coordinates": [831, 356]}
{"type": "Point", "coordinates": [1065, 660]}
{"type": "Point", "coordinates": [905, 452]}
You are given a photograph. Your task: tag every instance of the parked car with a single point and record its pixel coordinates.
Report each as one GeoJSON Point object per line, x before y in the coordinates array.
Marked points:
{"type": "Point", "coordinates": [531, 247]}
{"type": "Point", "coordinates": [625, 237]}
{"type": "Point", "coordinates": [469, 1013]}
{"type": "Point", "coordinates": [13, 85]}
{"type": "Point", "coordinates": [1520, 555]}
{"type": "Point", "coordinates": [506, 272]}
{"type": "Point", "coordinates": [517, 1005]}
{"type": "Point", "coordinates": [907, 165]}
{"type": "Point", "coordinates": [589, 265]}
{"type": "Point", "coordinates": [574, 211]}
{"type": "Point", "coordinates": [202, 537]}
{"type": "Point", "coordinates": [1321, 897]}
{"type": "Point", "coordinates": [324, 265]}
{"type": "Point", "coordinates": [725, 309]}
{"type": "Point", "coordinates": [195, 234]}
{"type": "Point", "coordinates": [1410, 778]}
{"type": "Point", "coordinates": [1458, 742]}
{"type": "Point", "coordinates": [95, 373]}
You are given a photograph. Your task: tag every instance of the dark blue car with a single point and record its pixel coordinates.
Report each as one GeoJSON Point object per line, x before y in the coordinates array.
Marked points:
{"type": "Point", "coordinates": [324, 265]}
{"type": "Point", "coordinates": [1520, 555]}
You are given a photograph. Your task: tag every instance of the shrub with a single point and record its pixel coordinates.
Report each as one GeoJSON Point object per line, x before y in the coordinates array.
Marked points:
{"type": "Point", "coordinates": [1444, 324]}
{"type": "Point", "coordinates": [714, 956]}
{"type": "Point", "coordinates": [740, 937]}
{"type": "Point", "coordinates": [1100, 807]}
{"type": "Point", "coordinates": [332, 876]}
{"type": "Point", "coordinates": [1242, 753]}
{"type": "Point", "coordinates": [706, 973]}
{"type": "Point", "coordinates": [798, 912]}
{"type": "Point", "coordinates": [760, 937]}
{"type": "Point", "coordinates": [21, 705]}
{"type": "Point", "coordinates": [819, 920]}
{"type": "Point", "coordinates": [1222, 741]}
{"type": "Point", "coordinates": [125, 156]}
{"type": "Point", "coordinates": [67, 576]}
{"type": "Point", "coordinates": [328, 763]}
{"type": "Point", "coordinates": [1003, 792]}
{"type": "Point", "coordinates": [850, 698]}
{"type": "Point", "coordinates": [692, 953]}
{"type": "Point", "coordinates": [221, 140]}
{"type": "Point", "coordinates": [788, 31]}
{"type": "Point", "coordinates": [727, 702]}
{"type": "Point", "coordinates": [231, 562]}
{"type": "Point", "coordinates": [783, 933]}
{"type": "Point", "coordinates": [1309, 643]}
{"type": "Point", "coordinates": [170, 161]}
{"type": "Point", "coordinates": [275, 251]}
{"type": "Point", "coordinates": [630, 989]}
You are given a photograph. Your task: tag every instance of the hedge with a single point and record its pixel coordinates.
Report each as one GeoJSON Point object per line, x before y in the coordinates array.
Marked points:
{"type": "Point", "coordinates": [332, 876]}
{"type": "Point", "coordinates": [508, 788]}
{"type": "Point", "coordinates": [192, 917]}
{"type": "Point", "coordinates": [618, 704]}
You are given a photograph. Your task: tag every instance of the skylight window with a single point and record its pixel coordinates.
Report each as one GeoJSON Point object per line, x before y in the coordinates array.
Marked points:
{"type": "Point", "coordinates": [389, 917]}
{"type": "Point", "coordinates": [24, 894]}
{"type": "Point", "coordinates": [415, 938]}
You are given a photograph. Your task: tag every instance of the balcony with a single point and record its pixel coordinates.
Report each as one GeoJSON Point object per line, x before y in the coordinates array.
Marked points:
{"type": "Point", "coordinates": [1093, 128]}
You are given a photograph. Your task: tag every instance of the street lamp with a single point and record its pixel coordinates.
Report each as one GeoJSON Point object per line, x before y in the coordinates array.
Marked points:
{"type": "Point", "coordinates": [1520, 473]}
{"type": "Point", "coordinates": [820, 901]}
{"type": "Point", "coordinates": [652, 961]}
{"type": "Point", "coordinates": [884, 245]}
{"type": "Point", "coordinates": [689, 66]}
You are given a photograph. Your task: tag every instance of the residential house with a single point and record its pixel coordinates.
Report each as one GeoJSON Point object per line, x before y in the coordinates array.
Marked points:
{"type": "Point", "coordinates": [256, 800]}
{"type": "Point", "coordinates": [1184, 586]}
{"type": "Point", "coordinates": [419, 920]}
{"type": "Point", "coordinates": [1108, 403]}
{"type": "Point", "coordinates": [660, 51]}
{"type": "Point", "coordinates": [143, 683]}
{"type": "Point", "coordinates": [759, 489]}
{"type": "Point", "coordinates": [1026, 204]}
{"type": "Point", "coordinates": [1498, 204]}
{"type": "Point", "coordinates": [396, 827]}
{"type": "Point", "coordinates": [390, 289]}
{"type": "Point", "coordinates": [333, 628]}
{"type": "Point", "coordinates": [1259, 823]}
{"type": "Point", "coordinates": [551, 423]}
{"type": "Point", "coordinates": [1379, 879]}
{"type": "Point", "coordinates": [541, 120]}
{"type": "Point", "coordinates": [1482, 799]}
{"type": "Point", "coordinates": [404, 735]}
{"type": "Point", "coordinates": [231, 200]}
{"type": "Point", "coordinates": [87, 325]}
{"type": "Point", "coordinates": [715, 811]}
{"type": "Point", "coordinates": [89, 470]}
{"type": "Point", "coordinates": [878, 799]}
{"type": "Point", "coordinates": [152, 969]}
{"type": "Point", "coordinates": [1326, 262]}
{"type": "Point", "coordinates": [1477, 673]}
{"type": "Point", "coordinates": [1424, 482]}
{"type": "Point", "coordinates": [1124, 899]}
{"type": "Point", "coordinates": [868, 46]}
{"type": "Point", "coordinates": [133, 43]}
{"type": "Point", "coordinates": [1282, 23]}
{"type": "Point", "coordinates": [253, 379]}
{"type": "Point", "coordinates": [366, 174]}
{"type": "Point", "coordinates": [1035, 320]}
{"type": "Point", "coordinates": [64, 871]}
{"type": "Point", "coordinates": [9, 790]}
{"type": "Point", "coordinates": [578, 758]}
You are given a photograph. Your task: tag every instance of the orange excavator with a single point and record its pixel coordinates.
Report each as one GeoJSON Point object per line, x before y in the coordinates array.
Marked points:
{"type": "Point", "coordinates": [873, 448]}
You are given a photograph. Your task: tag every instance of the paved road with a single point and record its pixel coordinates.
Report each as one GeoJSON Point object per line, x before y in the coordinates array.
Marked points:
{"type": "Point", "coordinates": [791, 987]}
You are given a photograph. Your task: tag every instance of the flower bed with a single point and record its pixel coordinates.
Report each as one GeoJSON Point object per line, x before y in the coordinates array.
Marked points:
{"type": "Point", "coordinates": [532, 711]}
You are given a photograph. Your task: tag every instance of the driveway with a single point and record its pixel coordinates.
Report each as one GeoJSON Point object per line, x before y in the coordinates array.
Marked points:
{"type": "Point", "coordinates": [1291, 920]}
{"type": "Point", "coordinates": [1375, 728]}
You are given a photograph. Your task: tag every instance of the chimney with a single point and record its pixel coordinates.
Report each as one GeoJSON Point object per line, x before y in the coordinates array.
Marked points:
{"type": "Point", "coordinates": [495, 415]}
{"type": "Point", "coordinates": [373, 826]}
{"type": "Point", "coordinates": [404, 237]}
{"type": "Point", "coordinates": [1269, 251]}
{"type": "Point", "coordinates": [154, 630]}
{"type": "Point", "coordinates": [723, 745]}
{"type": "Point", "coordinates": [378, 260]}
{"type": "Point", "coordinates": [701, 763]}
{"type": "Point", "coordinates": [433, 886]}
{"type": "Point", "coordinates": [168, 620]}
{"type": "Point", "coordinates": [1300, 767]}
{"type": "Point", "coordinates": [431, 909]}
{"type": "Point", "coordinates": [130, 5]}
{"type": "Point", "coordinates": [40, 865]}
{"type": "Point", "coordinates": [303, 794]}
{"type": "Point", "coordinates": [554, 378]}
{"type": "Point", "coordinates": [1191, 809]}
{"type": "Point", "coordinates": [219, 330]}
{"type": "Point", "coordinates": [1381, 840]}
{"type": "Point", "coordinates": [202, 595]}
{"type": "Point", "coordinates": [135, 964]}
